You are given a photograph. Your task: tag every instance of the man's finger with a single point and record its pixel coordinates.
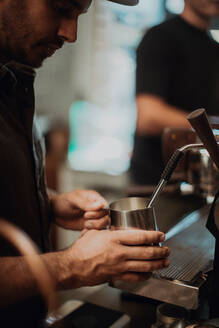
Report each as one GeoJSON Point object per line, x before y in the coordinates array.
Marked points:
{"type": "Point", "coordinates": [98, 224]}
{"type": "Point", "coordinates": [87, 200]}
{"type": "Point", "coordinates": [146, 252]}
{"type": "Point", "coordinates": [146, 266]}
{"type": "Point", "coordinates": [95, 206]}
{"type": "Point", "coordinates": [96, 214]}
{"type": "Point", "coordinates": [139, 237]}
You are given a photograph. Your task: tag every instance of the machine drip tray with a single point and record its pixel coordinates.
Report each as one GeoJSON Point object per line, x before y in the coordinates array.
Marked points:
{"type": "Point", "coordinates": [192, 252]}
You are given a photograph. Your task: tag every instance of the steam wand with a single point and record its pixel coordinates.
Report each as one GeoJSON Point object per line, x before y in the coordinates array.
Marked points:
{"type": "Point", "coordinates": [169, 169]}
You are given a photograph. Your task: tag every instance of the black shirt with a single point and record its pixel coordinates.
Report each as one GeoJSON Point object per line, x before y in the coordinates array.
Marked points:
{"type": "Point", "coordinates": [23, 198]}
{"type": "Point", "coordinates": [179, 63]}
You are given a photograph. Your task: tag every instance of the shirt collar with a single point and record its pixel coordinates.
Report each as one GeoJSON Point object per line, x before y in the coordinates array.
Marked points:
{"type": "Point", "coordinates": [11, 71]}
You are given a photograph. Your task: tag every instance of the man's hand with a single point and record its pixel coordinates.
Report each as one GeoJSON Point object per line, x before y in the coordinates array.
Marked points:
{"type": "Point", "coordinates": [80, 209]}
{"type": "Point", "coordinates": [96, 257]}
{"type": "Point", "coordinates": [102, 256]}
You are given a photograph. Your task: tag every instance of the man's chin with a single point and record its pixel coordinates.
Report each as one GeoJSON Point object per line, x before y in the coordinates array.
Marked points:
{"type": "Point", "coordinates": [37, 55]}
{"type": "Point", "coordinates": [35, 62]}
{"type": "Point", "coordinates": [33, 59]}
{"type": "Point", "coordinates": [32, 62]}
{"type": "Point", "coordinates": [37, 65]}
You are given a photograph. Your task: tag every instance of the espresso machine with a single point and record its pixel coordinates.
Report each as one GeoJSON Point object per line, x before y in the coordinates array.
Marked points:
{"type": "Point", "coordinates": [192, 245]}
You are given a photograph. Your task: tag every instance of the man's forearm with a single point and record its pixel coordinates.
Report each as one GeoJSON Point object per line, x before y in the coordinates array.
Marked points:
{"type": "Point", "coordinates": [18, 283]}
{"type": "Point", "coordinates": [95, 258]}
{"type": "Point", "coordinates": [16, 280]}
{"type": "Point", "coordinates": [154, 114]}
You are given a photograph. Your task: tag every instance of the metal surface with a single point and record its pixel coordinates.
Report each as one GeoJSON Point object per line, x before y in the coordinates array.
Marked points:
{"type": "Point", "coordinates": [192, 251]}
{"type": "Point", "coordinates": [202, 173]}
{"type": "Point", "coordinates": [157, 192]}
{"type": "Point", "coordinates": [173, 292]}
{"type": "Point", "coordinates": [131, 212]}
{"type": "Point", "coordinates": [168, 315]}
{"type": "Point", "coordinates": [169, 169]}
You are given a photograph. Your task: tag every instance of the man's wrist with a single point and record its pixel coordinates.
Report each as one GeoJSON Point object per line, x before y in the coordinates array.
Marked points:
{"type": "Point", "coordinates": [64, 268]}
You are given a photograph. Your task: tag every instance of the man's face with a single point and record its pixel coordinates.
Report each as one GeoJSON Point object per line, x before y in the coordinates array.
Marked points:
{"type": "Point", "coordinates": [32, 30]}
{"type": "Point", "coordinates": [205, 8]}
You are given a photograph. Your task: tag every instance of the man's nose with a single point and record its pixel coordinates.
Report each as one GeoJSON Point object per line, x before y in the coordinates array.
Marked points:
{"type": "Point", "coordinates": [68, 29]}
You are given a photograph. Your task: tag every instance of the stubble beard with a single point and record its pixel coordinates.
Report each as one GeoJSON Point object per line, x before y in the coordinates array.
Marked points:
{"type": "Point", "coordinates": [13, 30]}
{"type": "Point", "coordinates": [16, 34]}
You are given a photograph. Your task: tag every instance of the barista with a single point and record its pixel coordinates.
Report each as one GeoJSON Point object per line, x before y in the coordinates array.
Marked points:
{"type": "Point", "coordinates": [41, 28]}
{"type": "Point", "coordinates": [177, 72]}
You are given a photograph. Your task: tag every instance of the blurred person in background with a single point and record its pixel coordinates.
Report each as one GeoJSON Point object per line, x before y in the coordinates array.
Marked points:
{"type": "Point", "coordinates": [30, 32]}
{"type": "Point", "coordinates": [177, 72]}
